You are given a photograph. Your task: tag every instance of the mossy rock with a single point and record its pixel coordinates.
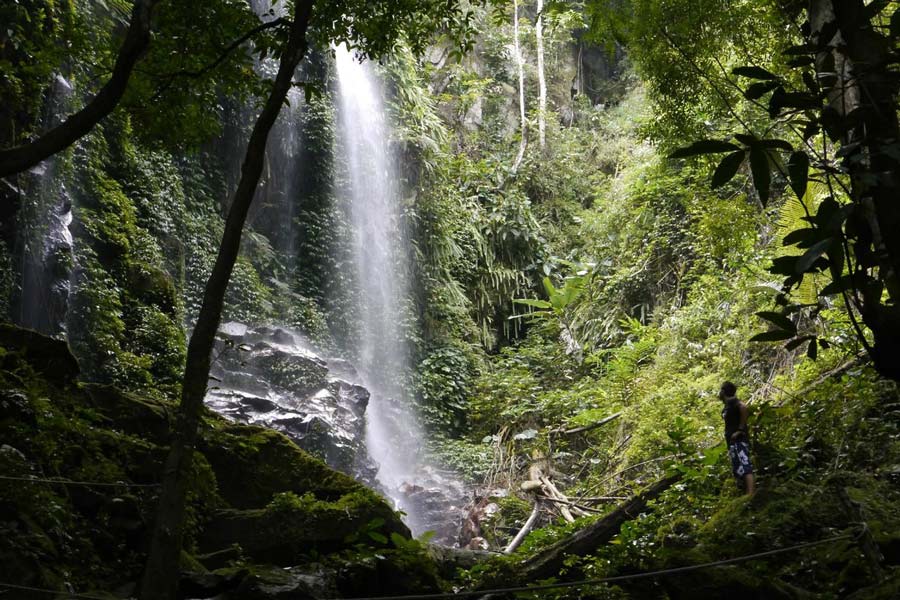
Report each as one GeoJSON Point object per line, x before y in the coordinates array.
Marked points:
{"type": "Point", "coordinates": [733, 582]}
{"type": "Point", "coordinates": [299, 374]}
{"type": "Point", "coordinates": [292, 526]}
{"type": "Point", "coordinates": [785, 513]}
{"type": "Point", "coordinates": [253, 463]}
{"type": "Point", "coordinates": [50, 357]}
{"type": "Point", "coordinates": [153, 286]}
{"type": "Point", "coordinates": [131, 413]}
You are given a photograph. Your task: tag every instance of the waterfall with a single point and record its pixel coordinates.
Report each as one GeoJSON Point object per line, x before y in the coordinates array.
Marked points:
{"type": "Point", "coordinates": [393, 434]}
{"type": "Point", "coordinates": [44, 243]}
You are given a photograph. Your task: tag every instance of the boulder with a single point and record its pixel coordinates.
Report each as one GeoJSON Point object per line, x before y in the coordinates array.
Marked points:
{"type": "Point", "coordinates": [51, 357]}
{"type": "Point", "coordinates": [268, 376]}
{"type": "Point", "coordinates": [292, 526]}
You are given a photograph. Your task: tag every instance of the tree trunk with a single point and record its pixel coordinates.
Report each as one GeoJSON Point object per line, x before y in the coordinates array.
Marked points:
{"type": "Point", "coordinates": [523, 143]}
{"type": "Point", "coordinates": [548, 562]}
{"type": "Point", "coordinates": [862, 98]}
{"type": "Point", "coordinates": [18, 159]}
{"type": "Point", "coordinates": [542, 81]}
{"type": "Point", "coordinates": [161, 574]}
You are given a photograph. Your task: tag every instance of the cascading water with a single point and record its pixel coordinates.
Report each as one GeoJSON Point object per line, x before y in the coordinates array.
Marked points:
{"type": "Point", "coordinates": [394, 436]}
{"type": "Point", "coordinates": [392, 431]}
{"type": "Point", "coordinates": [44, 244]}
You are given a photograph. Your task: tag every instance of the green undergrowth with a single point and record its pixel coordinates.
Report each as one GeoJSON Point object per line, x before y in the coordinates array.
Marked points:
{"type": "Point", "coordinates": [289, 507]}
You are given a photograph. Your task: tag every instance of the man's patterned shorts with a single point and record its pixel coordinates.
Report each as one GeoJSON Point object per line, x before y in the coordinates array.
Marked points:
{"type": "Point", "coordinates": [739, 452]}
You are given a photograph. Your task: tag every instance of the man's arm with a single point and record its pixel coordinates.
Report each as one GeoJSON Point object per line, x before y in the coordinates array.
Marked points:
{"type": "Point", "coordinates": [742, 427]}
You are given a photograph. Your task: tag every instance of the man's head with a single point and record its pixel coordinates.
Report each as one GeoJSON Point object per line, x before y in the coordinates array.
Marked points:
{"type": "Point", "coordinates": [728, 390]}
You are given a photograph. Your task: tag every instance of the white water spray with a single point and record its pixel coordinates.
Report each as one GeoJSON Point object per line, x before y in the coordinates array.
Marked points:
{"type": "Point", "coordinates": [393, 434]}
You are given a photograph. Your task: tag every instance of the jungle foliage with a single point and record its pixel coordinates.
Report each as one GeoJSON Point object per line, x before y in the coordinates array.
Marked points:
{"type": "Point", "coordinates": [599, 279]}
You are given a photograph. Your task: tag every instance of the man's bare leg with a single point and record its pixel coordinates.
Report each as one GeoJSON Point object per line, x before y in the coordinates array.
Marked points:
{"type": "Point", "coordinates": [749, 484]}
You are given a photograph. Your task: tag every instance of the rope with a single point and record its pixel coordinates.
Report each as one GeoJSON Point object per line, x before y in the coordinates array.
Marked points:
{"type": "Point", "coordinates": [26, 588]}
{"type": "Point", "coordinates": [86, 483]}
{"type": "Point", "coordinates": [617, 578]}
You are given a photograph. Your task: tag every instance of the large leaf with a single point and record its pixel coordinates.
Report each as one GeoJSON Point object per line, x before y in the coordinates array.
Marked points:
{"type": "Point", "coordinates": [798, 172]}
{"type": "Point", "coordinates": [548, 287]}
{"type": "Point", "coordinates": [760, 89]}
{"type": "Point", "coordinates": [776, 143]}
{"type": "Point", "coordinates": [812, 255]}
{"type": "Point", "coordinates": [754, 73]}
{"type": "Point", "coordinates": [779, 320]}
{"type": "Point", "coordinates": [704, 147]}
{"type": "Point", "coordinates": [812, 351]}
{"type": "Point", "coordinates": [784, 265]}
{"type": "Point", "coordinates": [542, 304]}
{"type": "Point", "coordinates": [837, 286]}
{"type": "Point", "coordinates": [776, 335]}
{"type": "Point", "coordinates": [800, 236]}
{"type": "Point", "coordinates": [759, 168]}
{"type": "Point", "coordinates": [727, 168]}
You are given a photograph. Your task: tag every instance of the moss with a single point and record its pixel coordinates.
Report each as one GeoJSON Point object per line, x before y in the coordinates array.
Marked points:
{"type": "Point", "coordinates": [291, 526]}
{"type": "Point", "coordinates": [97, 537]}
{"type": "Point", "coordinates": [253, 463]}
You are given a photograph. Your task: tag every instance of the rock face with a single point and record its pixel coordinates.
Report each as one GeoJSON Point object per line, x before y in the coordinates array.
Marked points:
{"type": "Point", "coordinates": [269, 376]}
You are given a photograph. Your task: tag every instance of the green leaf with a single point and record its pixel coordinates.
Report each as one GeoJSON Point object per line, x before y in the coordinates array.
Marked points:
{"type": "Point", "coordinates": [543, 304]}
{"type": "Point", "coordinates": [548, 286]}
{"type": "Point", "coordinates": [813, 350]}
{"type": "Point", "coordinates": [727, 169]}
{"type": "Point", "coordinates": [812, 255]}
{"type": "Point", "coordinates": [799, 236]}
{"type": "Point", "coordinates": [776, 143]}
{"type": "Point", "coordinates": [399, 541]}
{"type": "Point", "coordinates": [704, 147]}
{"type": "Point", "coordinates": [798, 172]}
{"type": "Point", "coordinates": [794, 344]}
{"type": "Point", "coordinates": [758, 90]}
{"type": "Point", "coordinates": [837, 286]}
{"type": "Point", "coordinates": [895, 25]}
{"type": "Point", "coordinates": [378, 537]}
{"type": "Point", "coordinates": [427, 536]}
{"type": "Point", "coordinates": [779, 320]}
{"type": "Point", "coordinates": [772, 336]}
{"type": "Point", "coordinates": [762, 178]}
{"type": "Point", "coordinates": [754, 73]}
{"type": "Point", "coordinates": [784, 265]}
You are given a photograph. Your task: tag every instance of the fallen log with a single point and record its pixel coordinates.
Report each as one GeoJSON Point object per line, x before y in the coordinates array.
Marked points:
{"type": "Point", "coordinates": [584, 428]}
{"type": "Point", "coordinates": [548, 562]}
{"type": "Point", "coordinates": [583, 509]}
{"type": "Point", "coordinates": [551, 490]}
{"type": "Point", "coordinates": [529, 525]}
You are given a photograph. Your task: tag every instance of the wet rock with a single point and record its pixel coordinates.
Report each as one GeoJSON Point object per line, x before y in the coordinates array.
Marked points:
{"type": "Point", "coordinates": [273, 584]}
{"type": "Point", "coordinates": [450, 560]}
{"type": "Point", "coordinates": [268, 376]}
{"type": "Point", "coordinates": [253, 463]}
{"type": "Point", "coordinates": [438, 501]}
{"type": "Point", "coordinates": [221, 558]}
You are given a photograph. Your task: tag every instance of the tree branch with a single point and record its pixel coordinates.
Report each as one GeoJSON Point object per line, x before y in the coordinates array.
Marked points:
{"type": "Point", "coordinates": [171, 77]}
{"type": "Point", "coordinates": [20, 158]}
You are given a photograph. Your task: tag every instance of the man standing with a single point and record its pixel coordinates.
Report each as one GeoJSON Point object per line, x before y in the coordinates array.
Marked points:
{"type": "Point", "coordinates": [735, 414]}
